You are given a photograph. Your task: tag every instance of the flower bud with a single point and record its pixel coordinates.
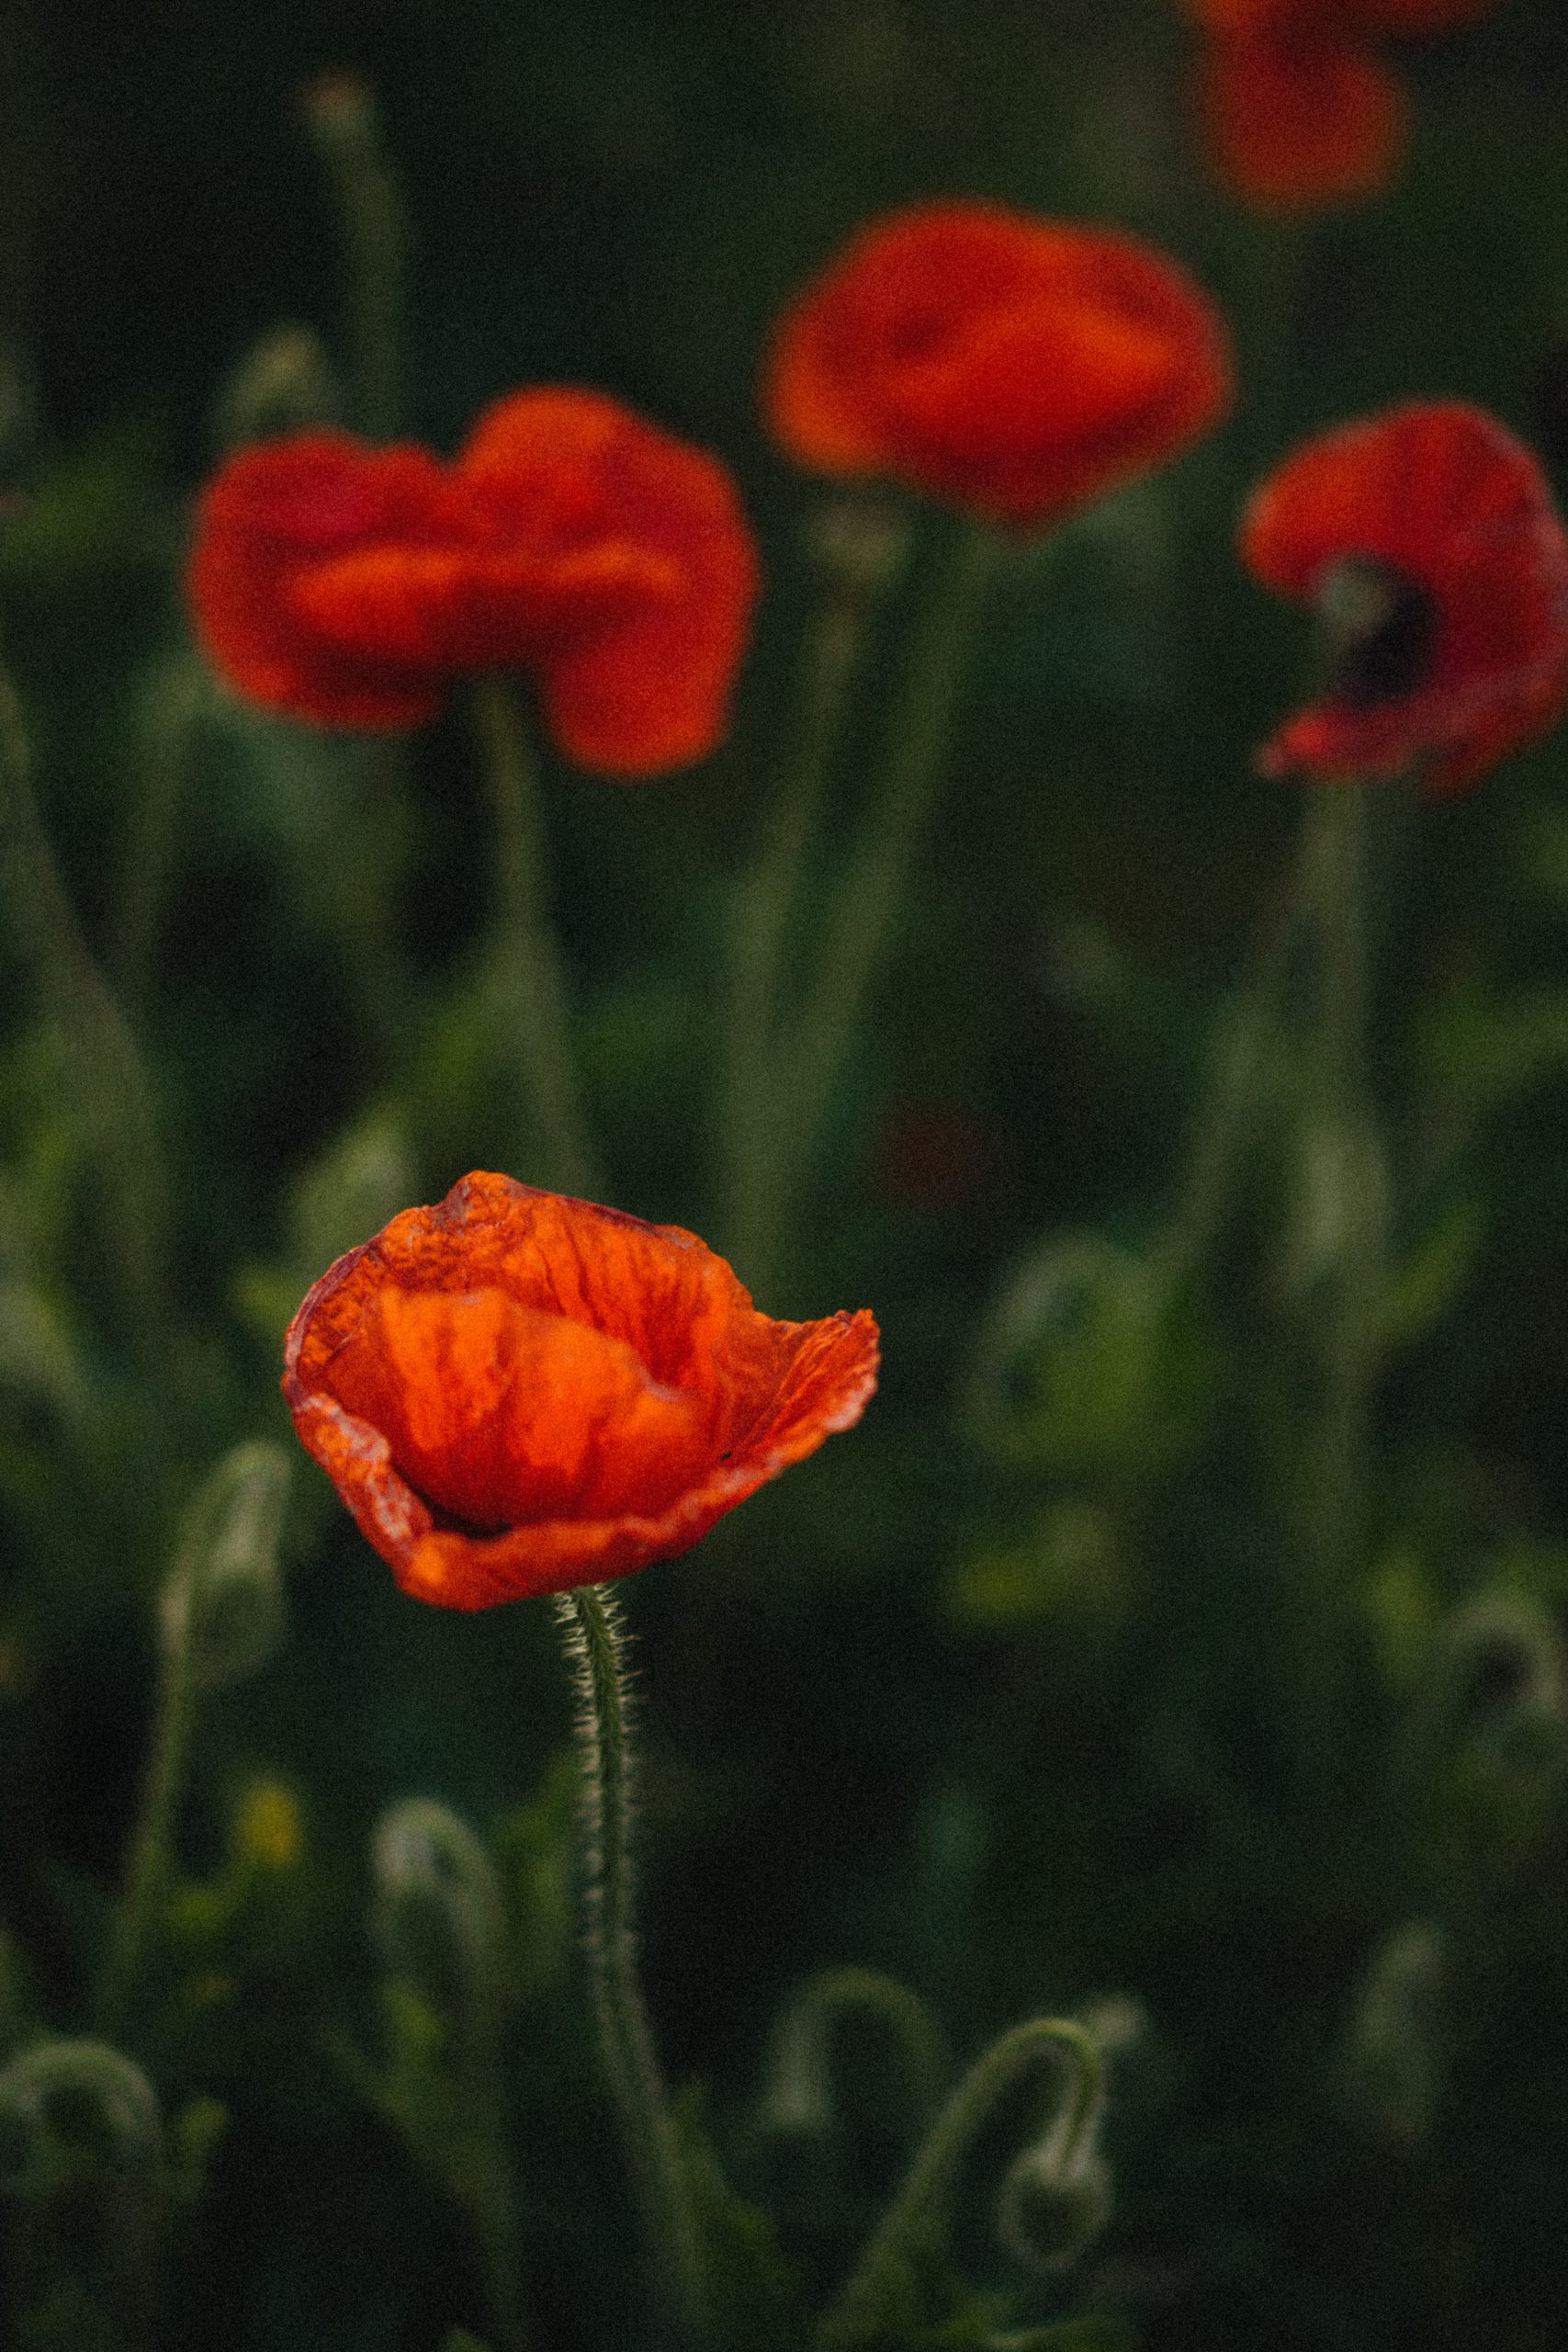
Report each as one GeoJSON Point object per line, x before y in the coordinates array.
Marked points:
{"type": "Point", "coordinates": [803, 2098]}
{"type": "Point", "coordinates": [359, 1182]}
{"type": "Point", "coordinates": [1083, 1368]}
{"type": "Point", "coordinates": [224, 1595]}
{"type": "Point", "coordinates": [1342, 1188]}
{"type": "Point", "coordinates": [67, 2107]}
{"type": "Point", "coordinates": [267, 1833]}
{"type": "Point", "coordinates": [860, 545]}
{"type": "Point", "coordinates": [439, 1911]}
{"type": "Point", "coordinates": [1392, 2069]}
{"type": "Point", "coordinates": [282, 385]}
{"type": "Point", "coordinates": [1049, 2213]}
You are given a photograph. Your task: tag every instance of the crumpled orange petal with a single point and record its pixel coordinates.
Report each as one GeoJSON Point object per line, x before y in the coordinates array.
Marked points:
{"type": "Point", "coordinates": [1458, 510]}
{"type": "Point", "coordinates": [572, 541]}
{"type": "Point", "coordinates": [1013, 367]}
{"type": "Point", "coordinates": [515, 1392]}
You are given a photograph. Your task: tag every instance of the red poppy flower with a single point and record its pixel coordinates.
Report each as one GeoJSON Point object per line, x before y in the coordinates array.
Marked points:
{"type": "Point", "coordinates": [1298, 122]}
{"type": "Point", "coordinates": [1297, 106]}
{"type": "Point", "coordinates": [615, 564]}
{"type": "Point", "coordinates": [515, 1392]}
{"type": "Point", "coordinates": [289, 530]}
{"type": "Point", "coordinates": [571, 541]}
{"type": "Point", "coordinates": [1014, 366]}
{"type": "Point", "coordinates": [1427, 539]}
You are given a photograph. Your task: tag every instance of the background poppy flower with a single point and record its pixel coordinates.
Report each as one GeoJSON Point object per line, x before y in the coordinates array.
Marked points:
{"type": "Point", "coordinates": [1014, 366]}
{"type": "Point", "coordinates": [515, 1392]}
{"type": "Point", "coordinates": [1300, 121]}
{"type": "Point", "coordinates": [1428, 539]}
{"type": "Point", "coordinates": [1296, 105]}
{"type": "Point", "coordinates": [572, 541]}
{"type": "Point", "coordinates": [288, 534]}
{"type": "Point", "coordinates": [615, 564]}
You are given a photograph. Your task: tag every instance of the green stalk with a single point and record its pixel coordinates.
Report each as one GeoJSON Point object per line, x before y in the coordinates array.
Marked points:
{"type": "Point", "coordinates": [114, 1101]}
{"type": "Point", "coordinates": [151, 1857]}
{"type": "Point", "coordinates": [527, 943]}
{"type": "Point", "coordinates": [877, 884]}
{"type": "Point", "coordinates": [174, 705]}
{"type": "Point", "coordinates": [344, 119]}
{"type": "Point", "coordinates": [1227, 1118]}
{"type": "Point", "coordinates": [591, 1621]}
{"type": "Point", "coordinates": [749, 1111]}
{"type": "Point", "coordinates": [1337, 846]}
{"type": "Point", "coordinates": [903, 2240]}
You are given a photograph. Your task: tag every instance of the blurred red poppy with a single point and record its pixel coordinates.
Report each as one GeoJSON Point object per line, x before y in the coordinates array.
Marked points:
{"type": "Point", "coordinates": [1297, 106]}
{"type": "Point", "coordinates": [1428, 541]}
{"type": "Point", "coordinates": [1013, 367]}
{"type": "Point", "coordinates": [572, 541]}
{"type": "Point", "coordinates": [1296, 122]}
{"type": "Point", "coordinates": [284, 529]}
{"type": "Point", "coordinates": [515, 1392]}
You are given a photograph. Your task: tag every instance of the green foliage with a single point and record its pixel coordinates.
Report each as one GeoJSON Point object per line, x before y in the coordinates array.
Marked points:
{"type": "Point", "coordinates": [1077, 1667]}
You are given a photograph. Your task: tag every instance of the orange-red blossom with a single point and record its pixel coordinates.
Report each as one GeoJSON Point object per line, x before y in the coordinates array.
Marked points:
{"type": "Point", "coordinates": [570, 540]}
{"type": "Point", "coordinates": [1011, 367]}
{"type": "Point", "coordinates": [1297, 106]}
{"type": "Point", "coordinates": [515, 1392]}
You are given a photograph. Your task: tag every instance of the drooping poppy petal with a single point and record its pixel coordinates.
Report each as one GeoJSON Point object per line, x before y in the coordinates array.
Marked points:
{"type": "Point", "coordinates": [1013, 367]}
{"type": "Point", "coordinates": [1448, 520]}
{"type": "Point", "coordinates": [622, 561]}
{"type": "Point", "coordinates": [572, 542]}
{"type": "Point", "coordinates": [515, 1392]}
{"type": "Point", "coordinates": [282, 518]}
{"type": "Point", "coordinates": [1296, 121]}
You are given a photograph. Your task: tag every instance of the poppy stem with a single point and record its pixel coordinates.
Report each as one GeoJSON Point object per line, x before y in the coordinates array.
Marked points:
{"type": "Point", "coordinates": [530, 960]}
{"type": "Point", "coordinates": [1335, 850]}
{"type": "Point", "coordinates": [1227, 1118]}
{"type": "Point", "coordinates": [591, 1621]}
{"type": "Point", "coordinates": [914, 2225]}
{"type": "Point", "coordinates": [878, 883]}
{"type": "Point", "coordinates": [344, 121]}
{"type": "Point", "coordinates": [172, 714]}
{"type": "Point", "coordinates": [749, 1105]}
{"type": "Point", "coordinates": [148, 1864]}
{"type": "Point", "coordinates": [114, 1100]}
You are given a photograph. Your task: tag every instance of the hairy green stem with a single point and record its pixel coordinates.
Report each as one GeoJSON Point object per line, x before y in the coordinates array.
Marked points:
{"type": "Point", "coordinates": [905, 2232]}
{"type": "Point", "coordinates": [527, 943]}
{"type": "Point", "coordinates": [591, 1621]}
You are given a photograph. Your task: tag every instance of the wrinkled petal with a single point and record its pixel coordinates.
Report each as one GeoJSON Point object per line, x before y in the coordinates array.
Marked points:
{"type": "Point", "coordinates": [514, 1392]}
{"type": "Point", "coordinates": [1451, 502]}
{"type": "Point", "coordinates": [1014, 366]}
